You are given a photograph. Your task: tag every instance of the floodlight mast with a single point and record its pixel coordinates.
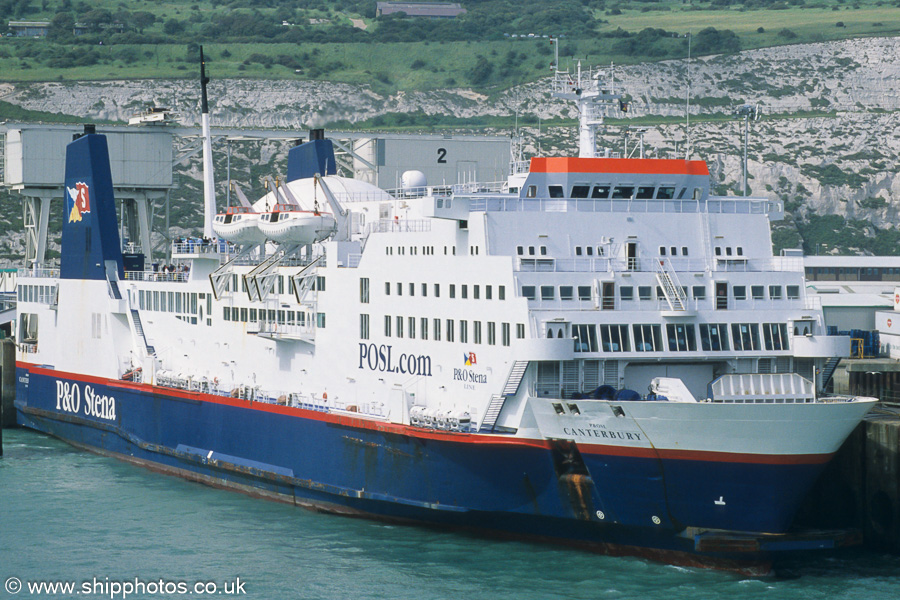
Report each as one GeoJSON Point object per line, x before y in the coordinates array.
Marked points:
{"type": "Point", "coordinates": [747, 111]}
{"type": "Point", "coordinates": [209, 198]}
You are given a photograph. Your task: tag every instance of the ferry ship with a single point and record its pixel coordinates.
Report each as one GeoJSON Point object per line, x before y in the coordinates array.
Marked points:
{"type": "Point", "coordinates": [596, 352]}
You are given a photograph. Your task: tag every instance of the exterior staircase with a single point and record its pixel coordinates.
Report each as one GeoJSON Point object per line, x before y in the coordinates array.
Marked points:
{"type": "Point", "coordinates": [495, 406]}
{"type": "Point", "coordinates": [828, 371]}
{"type": "Point", "coordinates": [670, 285]}
{"type": "Point", "coordinates": [139, 329]}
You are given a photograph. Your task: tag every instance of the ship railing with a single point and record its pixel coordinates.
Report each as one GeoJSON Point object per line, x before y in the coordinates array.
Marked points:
{"type": "Point", "coordinates": [7, 302]}
{"type": "Point", "coordinates": [373, 195]}
{"type": "Point", "coordinates": [198, 246]}
{"type": "Point", "coordinates": [479, 187]}
{"type": "Point", "coordinates": [646, 265]}
{"type": "Point", "coordinates": [399, 225]}
{"type": "Point", "coordinates": [286, 329]}
{"type": "Point", "coordinates": [38, 272]}
{"type": "Point", "coordinates": [497, 202]}
{"type": "Point", "coordinates": [27, 347]}
{"type": "Point", "coordinates": [168, 276]}
{"type": "Point", "coordinates": [653, 303]}
{"type": "Point", "coordinates": [519, 166]}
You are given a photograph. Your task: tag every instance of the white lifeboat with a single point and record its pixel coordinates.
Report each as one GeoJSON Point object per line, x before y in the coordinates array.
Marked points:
{"type": "Point", "coordinates": [289, 224]}
{"type": "Point", "coordinates": [239, 225]}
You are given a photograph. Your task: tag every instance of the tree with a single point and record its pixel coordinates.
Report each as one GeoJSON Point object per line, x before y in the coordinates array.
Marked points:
{"type": "Point", "coordinates": [142, 19]}
{"type": "Point", "coordinates": [61, 27]}
{"type": "Point", "coordinates": [173, 27]}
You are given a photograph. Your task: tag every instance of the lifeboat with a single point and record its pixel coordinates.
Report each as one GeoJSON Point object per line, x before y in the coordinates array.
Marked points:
{"type": "Point", "coordinates": [239, 225]}
{"type": "Point", "coordinates": [289, 224]}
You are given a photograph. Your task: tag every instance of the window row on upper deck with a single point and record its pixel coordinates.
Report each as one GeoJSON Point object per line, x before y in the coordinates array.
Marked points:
{"type": "Point", "coordinates": [679, 337]}
{"type": "Point", "coordinates": [604, 191]}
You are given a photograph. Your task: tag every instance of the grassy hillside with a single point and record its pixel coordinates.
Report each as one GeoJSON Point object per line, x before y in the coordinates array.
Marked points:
{"type": "Point", "coordinates": [340, 40]}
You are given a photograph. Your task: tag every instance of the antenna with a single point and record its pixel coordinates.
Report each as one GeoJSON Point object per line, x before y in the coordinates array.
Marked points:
{"type": "Point", "coordinates": [687, 106]}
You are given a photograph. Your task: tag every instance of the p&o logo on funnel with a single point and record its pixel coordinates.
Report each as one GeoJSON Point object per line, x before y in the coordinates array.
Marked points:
{"type": "Point", "coordinates": [79, 200]}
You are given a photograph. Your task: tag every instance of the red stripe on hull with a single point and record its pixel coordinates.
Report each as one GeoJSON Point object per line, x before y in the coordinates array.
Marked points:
{"type": "Point", "coordinates": [430, 434]}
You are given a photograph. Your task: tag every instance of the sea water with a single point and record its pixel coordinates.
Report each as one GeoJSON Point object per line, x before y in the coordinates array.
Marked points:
{"type": "Point", "coordinates": [108, 528]}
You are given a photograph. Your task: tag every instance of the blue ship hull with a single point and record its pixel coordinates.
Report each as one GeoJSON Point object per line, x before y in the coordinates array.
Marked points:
{"type": "Point", "coordinates": [494, 484]}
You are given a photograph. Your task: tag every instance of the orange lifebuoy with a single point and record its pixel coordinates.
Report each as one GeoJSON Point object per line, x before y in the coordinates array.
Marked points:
{"type": "Point", "coordinates": [324, 395]}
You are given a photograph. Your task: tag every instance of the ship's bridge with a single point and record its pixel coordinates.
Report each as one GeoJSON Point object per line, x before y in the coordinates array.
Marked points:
{"type": "Point", "coordinates": [602, 178]}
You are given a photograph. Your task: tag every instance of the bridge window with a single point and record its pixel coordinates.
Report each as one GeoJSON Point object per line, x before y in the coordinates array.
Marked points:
{"type": "Point", "coordinates": [600, 191]}
{"type": "Point", "coordinates": [793, 292]}
{"type": "Point", "coordinates": [623, 191]}
{"type": "Point", "coordinates": [565, 292]}
{"type": "Point", "coordinates": [556, 191]}
{"type": "Point", "coordinates": [665, 193]}
{"type": "Point", "coordinates": [584, 292]}
{"type": "Point", "coordinates": [644, 192]}
{"type": "Point", "coordinates": [528, 291]}
{"type": "Point", "coordinates": [580, 191]}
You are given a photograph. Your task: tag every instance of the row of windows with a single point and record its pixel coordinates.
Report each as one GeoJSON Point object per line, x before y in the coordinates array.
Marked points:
{"type": "Point", "coordinates": [520, 250]}
{"type": "Point", "coordinates": [646, 292]}
{"type": "Point", "coordinates": [601, 191]}
{"type": "Point", "coordinates": [589, 251]}
{"type": "Point", "coordinates": [738, 251]}
{"type": "Point", "coordinates": [448, 329]}
{"type": "Point", "coordinates": [853, 273]}
{"type": "Point", "coordinates": [278, 317]}
{"type": "Point", "coordinates": [423, 250]}
{"type": "Point", "coordinates": [252, 315]}
{"type": "Point", "coordinates": [679, 337]}
{"type": "Point", "coordinates": [452, 289]}
{"type": "Point", "coordinates": [177, 302]}
{"type": "Point", "coordinates": [281, 283]}
{"type": "Point", "coordinates": [673, 251]}
{"type": "Point", "coordinates": [36, 293]}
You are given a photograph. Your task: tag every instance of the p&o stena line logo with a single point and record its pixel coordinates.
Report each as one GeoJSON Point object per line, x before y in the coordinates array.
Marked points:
{"type": "Point", "coordinates": [79, 200]}
{"type": "Point", "coordinates": [469, 376]}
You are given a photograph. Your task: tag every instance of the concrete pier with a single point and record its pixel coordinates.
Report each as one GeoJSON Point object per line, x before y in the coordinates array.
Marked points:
{"type": "Point", "coordinates": [7, 386]}
{"type": "Point", "coordinates": [860, 488]}
{"type": "Point", "coordinates": [882, 484]}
